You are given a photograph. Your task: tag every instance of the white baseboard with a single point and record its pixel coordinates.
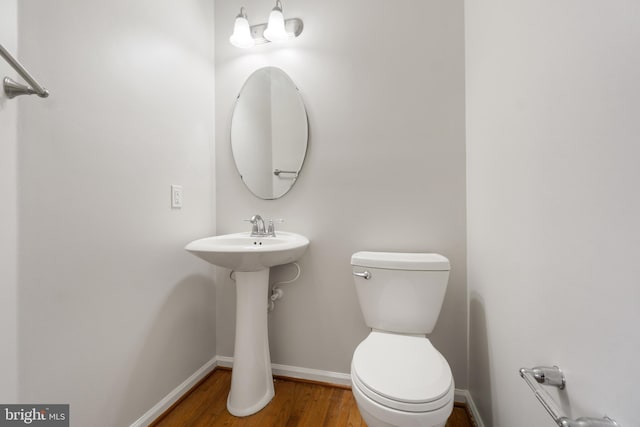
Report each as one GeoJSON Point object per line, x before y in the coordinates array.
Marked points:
{"type": "Point", "coordinates": [225, 361]}
{"type": "Point", "coordinates": [312, 374]}
{"type": "Point", "coordinates": [175, 394]}
{"type": "Point", "coordinates": [283, 370]}
{"type": "Point", "coordinates": [464, 396]}
{"type": "Point", "coordinates": [299, 373]}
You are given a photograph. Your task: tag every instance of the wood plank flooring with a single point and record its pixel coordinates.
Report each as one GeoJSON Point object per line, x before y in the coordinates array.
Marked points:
{"type": "Point", "coordinates": [296, 404]}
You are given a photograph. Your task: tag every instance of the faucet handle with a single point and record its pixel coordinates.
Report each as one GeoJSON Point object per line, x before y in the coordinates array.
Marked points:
{"type": "Point", "coordinates": [271, 229]}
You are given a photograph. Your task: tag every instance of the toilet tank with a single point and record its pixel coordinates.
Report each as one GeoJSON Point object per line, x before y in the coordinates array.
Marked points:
{"type": "Point", "coordinates": [403, 292]}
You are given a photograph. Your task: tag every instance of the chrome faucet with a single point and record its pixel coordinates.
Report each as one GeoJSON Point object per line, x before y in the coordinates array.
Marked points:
{"type": "Point", "coordinates": [257, 226]}
{"type": "Point", "coordinates": [258, 229]}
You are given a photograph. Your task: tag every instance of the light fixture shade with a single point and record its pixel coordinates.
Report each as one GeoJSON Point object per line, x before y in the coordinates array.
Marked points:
{"type": "Point", "coordinates": [241, 36]}
{"type": "Point", "coordinates": [276, 31]}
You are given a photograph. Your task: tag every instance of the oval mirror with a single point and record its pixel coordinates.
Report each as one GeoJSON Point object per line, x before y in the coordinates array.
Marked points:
{"type": "Point", "coordinates": [269, 133]}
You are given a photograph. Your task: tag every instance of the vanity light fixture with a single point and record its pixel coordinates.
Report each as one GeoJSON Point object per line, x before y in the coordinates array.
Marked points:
{"type": "Point", "coordinates": [241, 36]}
{"type": "Point", "coordinates": [276, 30]}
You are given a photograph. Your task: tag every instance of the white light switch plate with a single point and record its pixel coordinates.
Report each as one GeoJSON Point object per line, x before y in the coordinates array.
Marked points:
{"type": "Point", "coordinates": [176, 196]}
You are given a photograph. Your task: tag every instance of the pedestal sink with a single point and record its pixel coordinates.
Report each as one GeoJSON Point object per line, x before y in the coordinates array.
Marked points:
{"type": "Point", "coordinates": [250, 258]}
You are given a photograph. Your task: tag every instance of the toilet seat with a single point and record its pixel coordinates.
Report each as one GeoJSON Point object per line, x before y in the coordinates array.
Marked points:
{"type": "Point", "coordinates": [402, 372]}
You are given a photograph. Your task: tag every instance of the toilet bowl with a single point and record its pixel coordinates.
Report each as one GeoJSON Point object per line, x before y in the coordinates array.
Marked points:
{"type": "Point", "coordinates": [401, 380]}
{"type": "Point", "coordinates": [398, 377]}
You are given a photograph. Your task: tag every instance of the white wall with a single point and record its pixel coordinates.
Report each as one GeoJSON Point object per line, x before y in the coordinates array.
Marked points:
{"type": "Point", "coordinates": [113, 312]}
{"type": "Point", "coordinates": [8, 213]}
{"type": "Point", "coordinates": [385, 168]}
{"type": "Point", "coordinates": [553, 207]}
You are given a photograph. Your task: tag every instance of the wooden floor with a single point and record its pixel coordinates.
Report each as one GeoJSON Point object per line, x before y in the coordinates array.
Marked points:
{"type": "Point", "coordinates": [296, 404]}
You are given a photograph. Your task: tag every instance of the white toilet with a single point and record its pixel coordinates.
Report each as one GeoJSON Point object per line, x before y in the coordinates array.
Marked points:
{"type": "Point", "coordinates": [398, 378]}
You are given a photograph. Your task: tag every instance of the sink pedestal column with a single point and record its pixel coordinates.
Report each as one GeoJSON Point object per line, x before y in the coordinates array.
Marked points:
{"type": "Point", "coordinates": [251, 378]}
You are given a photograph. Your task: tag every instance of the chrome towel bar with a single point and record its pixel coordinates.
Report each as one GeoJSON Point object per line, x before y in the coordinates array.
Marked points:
{"type": "Point", "coordinates": [13, 88]}
{"type": "Point", "coordinates": [277, 172]}
{"type": "Point", "coordinates": [553, 376]}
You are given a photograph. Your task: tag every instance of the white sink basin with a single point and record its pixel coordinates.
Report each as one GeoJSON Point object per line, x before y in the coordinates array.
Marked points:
{"type": "Point", "coordinates": [241, 252]}
{"type": "Point", "coordinates": [250, 257]}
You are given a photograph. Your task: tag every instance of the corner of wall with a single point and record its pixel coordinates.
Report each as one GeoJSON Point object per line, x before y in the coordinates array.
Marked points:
{"type": "Point", "coordinates": [8, 214]}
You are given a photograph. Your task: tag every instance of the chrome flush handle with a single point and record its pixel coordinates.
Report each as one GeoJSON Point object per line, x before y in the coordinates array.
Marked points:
{"type": "Point", "coordinates": [365, 274]}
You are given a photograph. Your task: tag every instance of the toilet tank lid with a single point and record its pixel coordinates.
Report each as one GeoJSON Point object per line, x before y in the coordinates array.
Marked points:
{"type": "Point", "coordinates": [401, 261]}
